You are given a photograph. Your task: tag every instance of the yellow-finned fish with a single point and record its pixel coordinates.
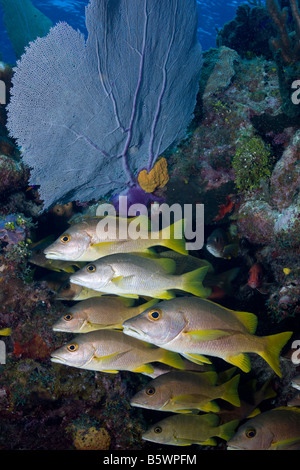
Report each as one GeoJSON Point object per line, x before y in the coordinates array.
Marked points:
{"type": "Point", "coordinates": [131, 275]}
{"type": "Point", "coordinates": [196, 327]}
{"type": "Point", "coordinates": [112, 351]}
{"type": "Point", "coordinates": [185, 392]}
{"type": "Point", "coordinates": [84, 241]}
{"type": "Point", "coordinates": [277, 429]}
{"type": "Point", "coordinates": [185, 430]}
{"type": "Point", "coordinates": [99, 313]}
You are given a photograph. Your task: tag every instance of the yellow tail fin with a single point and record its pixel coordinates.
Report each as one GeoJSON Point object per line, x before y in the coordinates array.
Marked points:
{"type": "Point", "coordinates": [172, 237]}
{"type": "Point", "coordinates": [231, 391]}
{"type": "Point", "coordinates": [192, 282]}
{"type": "Point", "coordinates": [273, 346]}
{"type": "Point", "coordinates": [227, 430]}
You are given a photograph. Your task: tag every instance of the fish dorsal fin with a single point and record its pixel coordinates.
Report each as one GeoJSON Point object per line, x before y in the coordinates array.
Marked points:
{"type": "Point", "coordinates": [127, 302]}
{"type": "Point", "coordinates": [210, 420]}
{"type": "Point", "coordinates": [249, 320]}
{"type": "Point", "coordinates": [210, 376]}
{"type": "Point", "coordinates": [167, 264]}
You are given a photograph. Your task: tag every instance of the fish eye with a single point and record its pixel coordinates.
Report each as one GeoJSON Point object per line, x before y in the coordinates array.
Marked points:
{"type": "Point", "coordinates": [67, 286]}
{"type": "Point", "coordinates": [157, 429]}
{"type": "Point", "coordinates": [65, 238]}
{"type": "Point", "coordinates": [91, 268]}
{"type": "Point", "coordinates": [68, 317]}
{"type": "Point", "coordinates": [150, 391]}
{"type": "Point", "coordinates": [250, 433]}
{"type": "Point", "coordinates": [72, 347]}
{"type": "Point", "coordinates": [155, 314]}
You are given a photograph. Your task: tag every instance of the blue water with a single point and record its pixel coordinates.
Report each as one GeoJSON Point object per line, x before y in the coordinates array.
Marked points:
{"type": "Point", "coordinates": [213, 14]}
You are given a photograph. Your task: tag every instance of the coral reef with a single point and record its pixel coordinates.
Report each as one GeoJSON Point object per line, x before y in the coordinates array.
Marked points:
{"type": "Point", "coordinates": [252, 163]}
{"type": "Point", "coordinates": [240, 159]}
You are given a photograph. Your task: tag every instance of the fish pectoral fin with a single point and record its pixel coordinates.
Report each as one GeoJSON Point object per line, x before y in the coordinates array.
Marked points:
{"type": "Point", "coordinates": [108, 357]}
{"type": "Point", "coordinates": [293, 443]}
{"type": "Point", "coordinates": [144, 369]}
{"type": "Point", "coordinates": [240, 360]}
{"type": "Point", "coordinates": [193, 401]}
{"type": "Point", "coordinates": [117, 280]}
{"type": "Point", "coordinates": [196, 358]}
{"type": "Point", "coordinates": [103, 244]}
{"type": "Point", "coordinates": [207, 335]}
{"type": "Point", "coordinates": [167, 264]}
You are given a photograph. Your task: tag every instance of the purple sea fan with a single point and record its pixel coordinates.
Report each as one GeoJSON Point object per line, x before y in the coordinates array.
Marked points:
{"type": "Point", "coordinates": [88, 115]}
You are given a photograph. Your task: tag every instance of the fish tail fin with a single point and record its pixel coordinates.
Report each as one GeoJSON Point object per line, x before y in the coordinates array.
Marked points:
{"type": "Point", "coordinates": [192, 282]}
{"type": "Point", "coordinates": [5, 332]}
{"type": "Point", "coordinates": [172, 359]}
{"type": "Point", "coordinates": [172, 237]}
{"type": "Point", "coordinates": [225, 279]}
{"type": "Point", "coordinates": [227, 430]}
{"type": "Point", "coordinates": [273, 347]}
{"type": "Point", "coordinates": [231, 393]}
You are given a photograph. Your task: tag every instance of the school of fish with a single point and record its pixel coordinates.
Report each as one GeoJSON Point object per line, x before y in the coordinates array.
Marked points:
{"type": "Point", "coordinates": [152, 310]}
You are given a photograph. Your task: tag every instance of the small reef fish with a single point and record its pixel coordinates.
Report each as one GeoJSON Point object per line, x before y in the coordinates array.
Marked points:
{"type": "Point", "coordinates": [131, 275]}
{"type": "Point", "coordinates": [69, 291]}
{"type": "Point", "coordinates": [83, 242]}
{"type": "Point", "coordinates": [99, 313]}
{"type": "Point", "coordinates": [219, 245]}
{"type": "Point", "coordinates": [5, 332]}
{"type": "Point", "coordinates": [277, 429]}
{"type": "Point", "coordinates": [184, 430]}
{"type": "Point", "coordinates": [112, 351]}
{"type": "Point", "coordinates": [296, 382]}
{"type": "Point", "coordinates": [255, 276]}
{"type": "Point", "coordinates": [195, 327]}
{"type": "Point", "coordinates": [185, 392]}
